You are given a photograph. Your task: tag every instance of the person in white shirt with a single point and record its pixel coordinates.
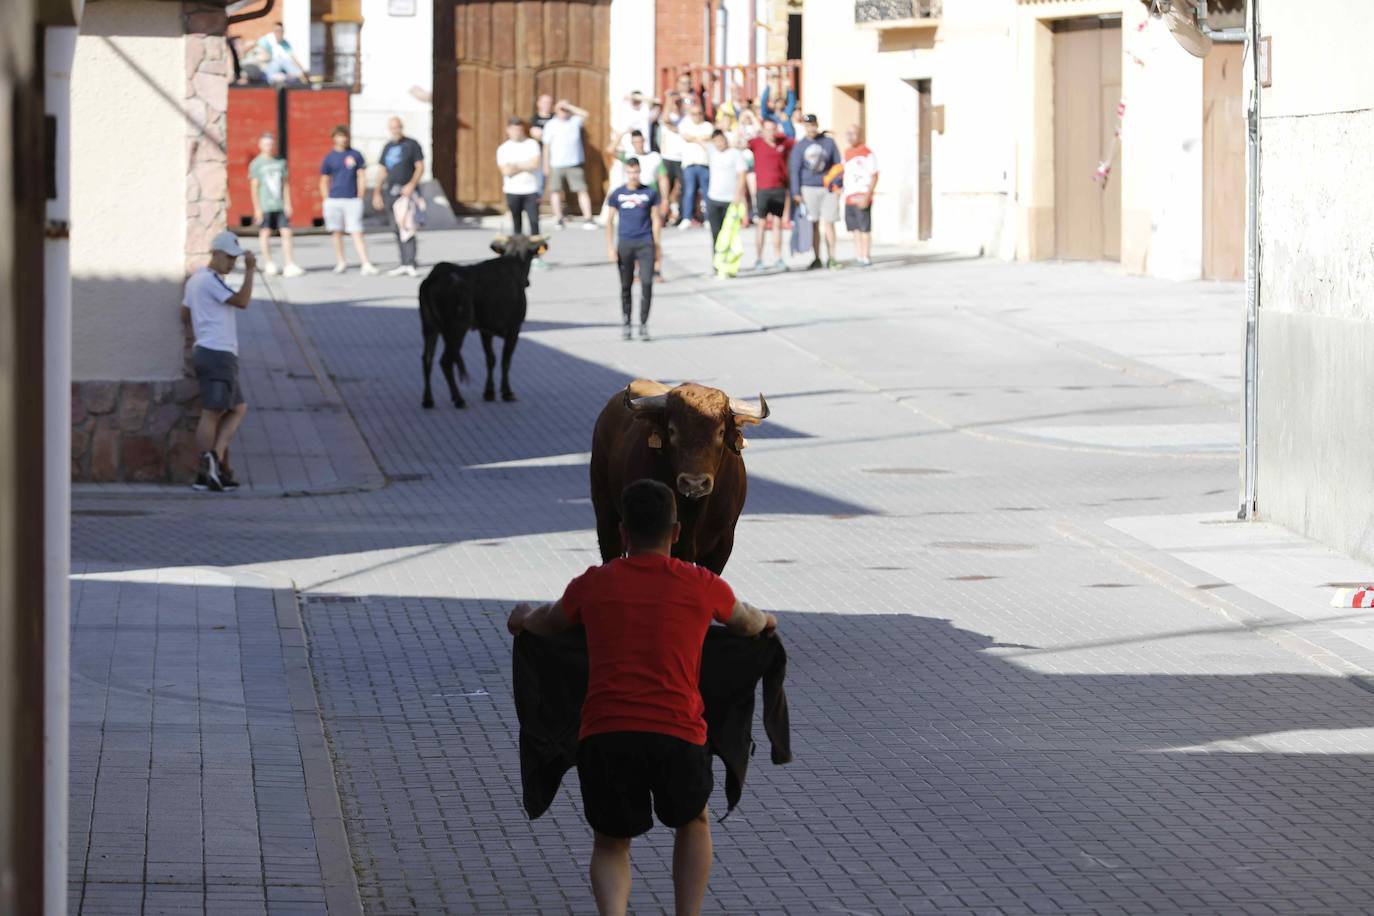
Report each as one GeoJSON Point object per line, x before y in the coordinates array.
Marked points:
{"type": "Point", "coordinates": [282, 63]}
{"type": "Point", "coordinates": [695, 132]}
{"type": "Point", "coordinates": [213, 309]}
{"type": "Point", "coordinates": [670, 145]}
{"type": "Point", "coordinates": [563, 158]}
{"type": "Point", "coordinates": [726, 182]}
{"type": "Point", "coordinates": [520, 159]}
{"type": "Point", "coordinates": [634, 116]}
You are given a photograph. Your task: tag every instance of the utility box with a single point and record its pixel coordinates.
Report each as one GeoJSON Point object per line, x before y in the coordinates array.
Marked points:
{"type": "Point", "coordinates": [302, 120]}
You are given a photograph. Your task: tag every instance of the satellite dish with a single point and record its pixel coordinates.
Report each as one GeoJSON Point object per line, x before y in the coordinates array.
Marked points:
{"type": "Point", "coordinates": [1180, 16]}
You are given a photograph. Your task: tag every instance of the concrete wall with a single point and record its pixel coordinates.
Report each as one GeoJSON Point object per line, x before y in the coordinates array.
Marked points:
{"type": "Point", "coordinates": [128, 244]}
{"type": "Point", "coordinates": [1316, 326]}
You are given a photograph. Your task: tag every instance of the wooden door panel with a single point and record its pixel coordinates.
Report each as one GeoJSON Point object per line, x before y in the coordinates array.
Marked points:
{"type": "Point", "coordinates": [1087, 89]}
{"type": "Point", "coordinates": [1223, 157]}
{"type": "Point", "coordinates": [503, 54]}
{"type": "Point", "coordinates": [1109, 58]}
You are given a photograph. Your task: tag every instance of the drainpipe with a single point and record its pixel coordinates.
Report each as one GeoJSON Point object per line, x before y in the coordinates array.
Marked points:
{"type": "Point", "coordinates": [59, 49]}
{"type": "Point", "coordinates": [1252, 269]}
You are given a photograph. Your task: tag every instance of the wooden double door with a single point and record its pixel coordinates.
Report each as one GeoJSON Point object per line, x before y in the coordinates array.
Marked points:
{"type": "Point", "coordinates": [492, 59]}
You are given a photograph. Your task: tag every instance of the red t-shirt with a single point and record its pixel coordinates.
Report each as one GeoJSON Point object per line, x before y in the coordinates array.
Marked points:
{"type": "Point", "coordinates": [770, 162]}
{"type": "Point", "coordinates": [646, 617]}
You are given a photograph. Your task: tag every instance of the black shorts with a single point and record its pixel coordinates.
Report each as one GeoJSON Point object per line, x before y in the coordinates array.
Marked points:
{"type": "Point", "coordinates": [858, 219]}
{"type": "Point", "coordinates": [620, 771]}
{"type": "Point", "coordinates": [273, 219]}
{"type": "Point", "coordinates": [217, 371]}
{"type": "Point", "coordinates": [770, 201]}
{"type": "Point", "coordinates": [672, 169]}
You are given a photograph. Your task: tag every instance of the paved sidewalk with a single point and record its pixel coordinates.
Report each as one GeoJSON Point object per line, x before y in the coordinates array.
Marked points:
{"type": "Point", "coordinates": [298, 438]}
{"type": "Point", "coordinates": [200, 780]}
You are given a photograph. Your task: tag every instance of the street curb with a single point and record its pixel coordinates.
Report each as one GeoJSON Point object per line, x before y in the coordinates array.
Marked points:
{"type": "Point", "coordinates": [322, 792]}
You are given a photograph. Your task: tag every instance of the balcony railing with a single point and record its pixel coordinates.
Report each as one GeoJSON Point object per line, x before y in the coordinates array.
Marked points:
{"type": "Point", "coordinates": [897, 13]}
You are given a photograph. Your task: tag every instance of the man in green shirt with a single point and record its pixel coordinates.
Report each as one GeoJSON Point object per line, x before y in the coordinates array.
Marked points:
{"type": "Point", "coordinates": [272, 205]}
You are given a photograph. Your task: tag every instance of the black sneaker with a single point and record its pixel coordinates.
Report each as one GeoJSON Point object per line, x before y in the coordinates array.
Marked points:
{"type": "Point", "coordinates": [226, 479]}
{"type": "Point", "coordinates": [208, 478]}
{"type": "Point", "coordinates": [815, 265]}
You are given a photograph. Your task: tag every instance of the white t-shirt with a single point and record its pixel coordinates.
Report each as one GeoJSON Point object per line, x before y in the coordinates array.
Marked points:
{"type": "Point", "coordinates": [632, 119]}
{"type": "Point", "coordinates": [563, 137]}
{"type": "Point", "coordinates": [695, 153]}
{"type": "Point", "coordinates": [670, 144]}
{"type": "Point", "coordinates": [514, 152]}
{"type": "Point", "coordinates": [215, 323]}
{"type": "Point", "coordinates": [649, 163]}
{"type": "Point", "coordinates": [726, 166]}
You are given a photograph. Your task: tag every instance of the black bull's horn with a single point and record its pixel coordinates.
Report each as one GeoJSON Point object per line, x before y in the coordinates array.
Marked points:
{"type": "Point", "coordinates": [742, 410]}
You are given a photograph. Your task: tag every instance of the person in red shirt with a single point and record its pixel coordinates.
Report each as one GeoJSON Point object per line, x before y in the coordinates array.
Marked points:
{"type": "Point", "coordinates": [771, 149]}
{"type": "Point", "coordinates": [643, 746]}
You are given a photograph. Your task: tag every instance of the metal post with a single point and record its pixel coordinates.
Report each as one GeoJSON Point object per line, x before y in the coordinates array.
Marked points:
{"type": "Point", "coordinates": [1252, 271]}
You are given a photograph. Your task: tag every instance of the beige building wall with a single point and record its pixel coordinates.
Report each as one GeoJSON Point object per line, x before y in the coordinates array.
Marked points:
{"type": "Point", "coordinates": [129, 196]}
{"type": "Point", "coordinates": [1316, 318]}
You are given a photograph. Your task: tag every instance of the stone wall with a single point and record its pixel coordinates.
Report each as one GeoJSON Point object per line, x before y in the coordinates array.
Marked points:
{"type": "Point", "coordinates": [144, 430]}
{"type": "Point", "coordinates": [134, 431]}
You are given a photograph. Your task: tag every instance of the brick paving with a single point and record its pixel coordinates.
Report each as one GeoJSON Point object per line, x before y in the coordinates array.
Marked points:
{"type": "Point", "coordinates": [993, 710]}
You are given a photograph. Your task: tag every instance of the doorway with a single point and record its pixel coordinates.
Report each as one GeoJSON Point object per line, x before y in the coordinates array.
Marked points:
{"type": "Point", "coordinates": [1087, 89]}
{"type": "Point", "coordinates": [848, 109]}
{"type": "Point", "coordinates": [925, 127]}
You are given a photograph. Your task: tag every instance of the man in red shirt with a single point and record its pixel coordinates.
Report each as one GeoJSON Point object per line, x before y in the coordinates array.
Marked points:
{"type": "Point", "coordinates": [643, 743]}
{"type": "Point", "coordinates": [771, 149]}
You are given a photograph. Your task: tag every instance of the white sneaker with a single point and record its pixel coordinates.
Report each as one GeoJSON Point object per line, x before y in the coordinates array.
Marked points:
{"type": "Point", "coordinates": [367, 270]}
{"type": "Point", "coordinates": [397, 271]}
{"type": "Point", "coordinates": [589, 226]}
{"type": "Point", "coordinates": [293, 270]}
{"type": "Point", "coordinates": [270, 269]}
{"type": "Point", "coordinates": [409, 270]}
{"type": "Point", "coordinates": [684, 225]}
{"type": "Point", "coordinates": [340, 268]}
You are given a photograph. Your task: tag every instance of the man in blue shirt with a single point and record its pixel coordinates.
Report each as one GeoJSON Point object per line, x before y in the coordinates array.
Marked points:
{"type": "Point", "coordinates": [636, 208]}
{"type": "Point", "coordinates": [814, 156]}
{"type": "Point", "coordinates": [343, 182]}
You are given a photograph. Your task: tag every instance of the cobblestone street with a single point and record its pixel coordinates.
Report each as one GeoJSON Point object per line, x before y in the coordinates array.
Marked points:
{"type": "Point", "coordinates": [1004, 699]}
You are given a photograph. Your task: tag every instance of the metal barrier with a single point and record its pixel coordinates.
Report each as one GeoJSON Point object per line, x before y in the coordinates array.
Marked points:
{"type": "Point", "coordinates": [713, 83]}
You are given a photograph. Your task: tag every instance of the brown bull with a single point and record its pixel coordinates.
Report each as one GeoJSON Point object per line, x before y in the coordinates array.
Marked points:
{"type": "Point", "coordinates": [689, 438]}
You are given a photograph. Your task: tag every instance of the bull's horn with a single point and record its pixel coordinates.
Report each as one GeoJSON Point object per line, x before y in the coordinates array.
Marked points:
{"type": "Point", "coordinates": [747, 412]}
{"type": "Point", "coordinates": [648, 402]}
{"type": "Point", "coordinates": [500, 240]}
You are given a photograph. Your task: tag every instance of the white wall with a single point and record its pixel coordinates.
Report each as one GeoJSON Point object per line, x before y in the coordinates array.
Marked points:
{"type": "Point", "coordinates": [632, 50]}
{"type": "Point", "coordinates": [397, 55]}
{"type": "Point", "coordinates": [737, 31]}
{"type": "Point", "coordinates": [128, 180]}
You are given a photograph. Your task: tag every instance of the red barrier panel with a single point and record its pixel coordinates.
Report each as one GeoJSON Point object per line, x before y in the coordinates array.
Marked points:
{"type": "Point", "coordinates": [252, 110]}
{"type": "Point", "coordinates": [311, 115]}
{"type": "Point", "coordinates": [302, 120]}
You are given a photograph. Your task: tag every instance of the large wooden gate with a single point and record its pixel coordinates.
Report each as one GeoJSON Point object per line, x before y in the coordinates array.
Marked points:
{"type": "Point", "coordinates": [492, 58]}
{"type": "Point", "coordinates": [1223, 163]}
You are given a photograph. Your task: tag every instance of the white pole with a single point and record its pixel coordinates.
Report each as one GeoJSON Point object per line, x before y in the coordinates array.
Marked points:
{"type": "Point", "coordinates": [1252, 267]}
{"type": "Point", "coordinates": [59, 50]}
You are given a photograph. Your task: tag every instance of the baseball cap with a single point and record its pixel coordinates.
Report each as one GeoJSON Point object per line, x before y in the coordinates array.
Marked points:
{"type": "Point", "coordinates": [228, 243]}
{"type": "Point", "coordinates": [810, 119]}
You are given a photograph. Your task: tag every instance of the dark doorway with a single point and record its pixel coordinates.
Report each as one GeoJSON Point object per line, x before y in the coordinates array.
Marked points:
{"type": "Point", "coordinates": [924, 127]}
{"type": "Point", "coordinates": [794, 46]}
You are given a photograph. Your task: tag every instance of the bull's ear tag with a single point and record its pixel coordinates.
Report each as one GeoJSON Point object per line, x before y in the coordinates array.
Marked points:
{"type": "Point", "coordinates": [655, 441]}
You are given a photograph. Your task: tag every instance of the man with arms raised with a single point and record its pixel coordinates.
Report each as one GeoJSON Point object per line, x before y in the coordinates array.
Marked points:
{"type": "Point", "coordinates": [643, 743]}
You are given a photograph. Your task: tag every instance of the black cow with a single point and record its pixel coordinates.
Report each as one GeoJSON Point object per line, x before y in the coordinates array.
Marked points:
{"type": "Point", "coordinates": [488, 296]}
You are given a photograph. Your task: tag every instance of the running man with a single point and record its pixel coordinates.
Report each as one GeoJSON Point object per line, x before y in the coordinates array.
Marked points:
{"type": "Point", "coordinates": [643, 745]}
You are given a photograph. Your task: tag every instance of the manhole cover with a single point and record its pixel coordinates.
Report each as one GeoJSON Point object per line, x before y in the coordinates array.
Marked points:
{"type": "Point", "coordinates": [1109, 585]}
{"type": "Point", "coordinates": [913, 472]}
{"type": "Point", "coordinates": [971, 578]}
{"type": "Point", "coordinates": [110, 513]}
{"type": "Point", "coordinates": [979, 545]}
{"type": "Point", "coordinates": [1018, 508]}
{"type": "Point", "coordinates": [782, 562]}
{"type": "Point", "coordinates": [408, 478]}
